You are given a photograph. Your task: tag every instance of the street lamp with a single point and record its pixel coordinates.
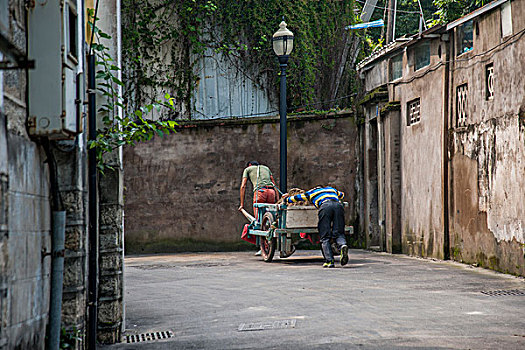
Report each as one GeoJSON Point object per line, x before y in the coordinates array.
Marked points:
{"type": "Point", "coordinates": [282, 46]}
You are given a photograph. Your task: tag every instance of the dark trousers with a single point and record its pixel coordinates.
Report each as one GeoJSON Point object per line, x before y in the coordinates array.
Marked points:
{"type": "Point", "coordinates": [331, 225]}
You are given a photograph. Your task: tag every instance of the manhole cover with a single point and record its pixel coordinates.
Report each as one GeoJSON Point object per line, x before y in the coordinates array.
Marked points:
{"type": "Point", "coordinates": [261, 326]}
{"type": "Point", "coordinates": [139, 338]}
{"type": "Point", "coordinates": [498, 293]}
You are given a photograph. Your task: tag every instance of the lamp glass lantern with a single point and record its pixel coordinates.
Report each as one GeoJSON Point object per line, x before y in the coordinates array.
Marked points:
{"type": "Point", "coordinates": [282, 41]}
{"type": "Point", "coordinates": [282, 46]}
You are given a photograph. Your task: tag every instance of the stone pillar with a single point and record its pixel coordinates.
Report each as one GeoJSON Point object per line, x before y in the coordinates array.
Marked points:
{"type": "Point", "coordinates": [111, 223]}
{"type": "Point", "coordinates": [110, 294]}
{"type": "Point", "coordinates": [72, 184]}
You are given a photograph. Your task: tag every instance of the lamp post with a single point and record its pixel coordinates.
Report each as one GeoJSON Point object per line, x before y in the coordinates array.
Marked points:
{"type": "Point", "coordinates": [282, 46]}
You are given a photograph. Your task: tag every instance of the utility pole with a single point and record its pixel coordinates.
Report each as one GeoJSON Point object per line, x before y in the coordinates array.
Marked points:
{"type": "Point", "coordinates": [391, 21]}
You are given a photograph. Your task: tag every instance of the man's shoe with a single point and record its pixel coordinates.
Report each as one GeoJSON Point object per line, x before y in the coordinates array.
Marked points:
{"type": "Point", "coordinates": [344, 255]}
{"type": "Point", "coordinates": [258, 253]}
{"type": "Point", "coordinates": [329, 264]}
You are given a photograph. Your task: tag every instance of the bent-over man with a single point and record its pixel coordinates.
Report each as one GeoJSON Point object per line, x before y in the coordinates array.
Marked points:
{"type": "Point", "coordinates": [264, 189]}
{"type": "Point", "coordinates": [331, 222]}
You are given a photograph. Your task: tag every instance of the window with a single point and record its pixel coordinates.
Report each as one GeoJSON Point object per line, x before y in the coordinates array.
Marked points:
{"type": "Point", "coordinates": [396, 67]}
{"type": "Point", "coordinates": [461, 105]}
{"type": "Point", "coordinates": [413, 112]}
{"type": "Point", "coordinates": [489, 81]}
{"type": "Point", "coordinates": [422, 56]}
{"type": "Point", "coordinates": [464, 36]}
{"type": "Point", "coordinates": [506, 19]}
{"type": "Point", "coordinates": [71, 32]}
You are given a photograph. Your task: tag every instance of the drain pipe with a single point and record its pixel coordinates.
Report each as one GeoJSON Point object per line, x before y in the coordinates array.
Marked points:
{"type": "Point", "coordinates": [57, 278]}
{"type": "Point", "coordinates": [93, 210]}
{"type": "Point", "coordinates": [57, 254]}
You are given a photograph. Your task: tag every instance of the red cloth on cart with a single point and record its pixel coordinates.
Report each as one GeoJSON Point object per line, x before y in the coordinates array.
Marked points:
{"type": "Point", "coordinates": [308, 236]}
{"type": "Point", "coordinates": [248, 238]}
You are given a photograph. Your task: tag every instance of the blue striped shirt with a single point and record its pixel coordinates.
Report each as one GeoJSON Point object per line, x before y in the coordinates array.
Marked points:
{"type": "Point", "coordinates": [317, 196]}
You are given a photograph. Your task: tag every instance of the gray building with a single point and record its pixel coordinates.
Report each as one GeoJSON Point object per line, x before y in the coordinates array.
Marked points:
{"type": "Point", "coordinates": [442, 141]}
{"type": "Point", "coordinates": [43, 179]}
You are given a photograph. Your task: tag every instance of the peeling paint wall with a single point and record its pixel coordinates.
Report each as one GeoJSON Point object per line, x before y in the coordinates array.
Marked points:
{"type": "Point", "coordinates": [488, 151]}
{"type": "Point", "coordinates": [182, 191]}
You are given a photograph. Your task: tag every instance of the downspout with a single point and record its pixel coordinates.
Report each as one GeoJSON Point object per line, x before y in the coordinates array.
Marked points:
{"type": "Point", "coordinates": [93, 209]}
{"type": "Point", "coordinates": [92, 302]}
{"type": "Point", "coordinates": [57, 254]}
{"type": "Point", "coordinates": [446, 114]}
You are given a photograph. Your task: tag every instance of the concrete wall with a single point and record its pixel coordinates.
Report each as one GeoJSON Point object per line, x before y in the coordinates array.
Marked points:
{"type": "Point", "coordinates": [182, 191]}
{"type": "Point", "coordinates": [24, 195]}
{"type": "Point", "coordinates": [488, 151]}
{"type": "Point", "coordinates": [422, 156]}
{"type": "Point", "coordinates": [24, 213]}
{"type": "Point", "coordinates": [462, 188]}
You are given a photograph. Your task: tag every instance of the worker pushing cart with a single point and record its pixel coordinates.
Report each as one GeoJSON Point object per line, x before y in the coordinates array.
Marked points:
{"type": "Point", "coordinates": [331, 222]}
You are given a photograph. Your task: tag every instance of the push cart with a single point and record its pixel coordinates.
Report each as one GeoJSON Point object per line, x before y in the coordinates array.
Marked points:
{"type": "Point", "coordinates": [280, 227]}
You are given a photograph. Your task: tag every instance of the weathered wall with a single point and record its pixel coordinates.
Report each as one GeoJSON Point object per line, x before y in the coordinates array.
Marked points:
{"type": "Point", "coordinates": [421, 157]}
{"type": "Point", "coordinates": [182, 191]}
{"type": "Point", "coordinates": [24, 213]}
{"type": "Point", "coordinates": [488, 151]}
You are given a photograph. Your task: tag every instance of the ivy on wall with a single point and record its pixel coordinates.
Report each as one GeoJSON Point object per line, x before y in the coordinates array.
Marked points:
{"type": "Point", "coordinates": [163, 39]}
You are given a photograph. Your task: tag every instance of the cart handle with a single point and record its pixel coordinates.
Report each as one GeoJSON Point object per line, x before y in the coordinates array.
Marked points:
{"type": "Point", "coordinates": [247, 215]}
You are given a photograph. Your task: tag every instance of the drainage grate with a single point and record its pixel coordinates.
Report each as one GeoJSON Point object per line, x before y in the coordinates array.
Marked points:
{"type": "Point", "coordinates": [139, 338]}
{"type": "Point", "coordinates": [499, 293]}
{"type": "Point", "coordinates": [261, 326]}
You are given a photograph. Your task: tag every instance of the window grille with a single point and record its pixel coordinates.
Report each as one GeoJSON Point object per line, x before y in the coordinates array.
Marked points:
{"type": "Point", "coordinates": [413, 112]}
{"type": "Point", "coordinates": [489, 81]}
{"type": "Point", "coordinates": [462, 104]}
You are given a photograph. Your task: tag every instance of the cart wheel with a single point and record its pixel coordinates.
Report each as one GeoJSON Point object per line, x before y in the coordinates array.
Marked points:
{"type": "Point", "coordinates": [267, 246]}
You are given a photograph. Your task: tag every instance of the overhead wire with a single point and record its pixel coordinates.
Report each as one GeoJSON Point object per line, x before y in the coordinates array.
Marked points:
{"type": "Point", "coordinates": [388, 8]}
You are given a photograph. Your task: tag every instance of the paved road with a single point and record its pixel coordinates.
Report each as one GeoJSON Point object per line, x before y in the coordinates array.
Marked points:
{"type": "Point", "coordinates": [377, 301]}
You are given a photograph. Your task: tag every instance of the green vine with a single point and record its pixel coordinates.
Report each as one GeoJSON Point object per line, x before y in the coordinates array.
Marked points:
{"type": "Point", "coordinates": [163, 40]}
{"type": "Point", "coordinates": [120, 129]}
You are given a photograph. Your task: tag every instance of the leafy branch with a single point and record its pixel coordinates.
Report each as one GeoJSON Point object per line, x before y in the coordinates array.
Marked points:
{"type": "Point", "coordinates": [118, 128]}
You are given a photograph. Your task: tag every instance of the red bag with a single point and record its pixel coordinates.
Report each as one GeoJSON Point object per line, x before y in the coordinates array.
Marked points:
{"type": "Point", "coordinates": [248, 238]}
